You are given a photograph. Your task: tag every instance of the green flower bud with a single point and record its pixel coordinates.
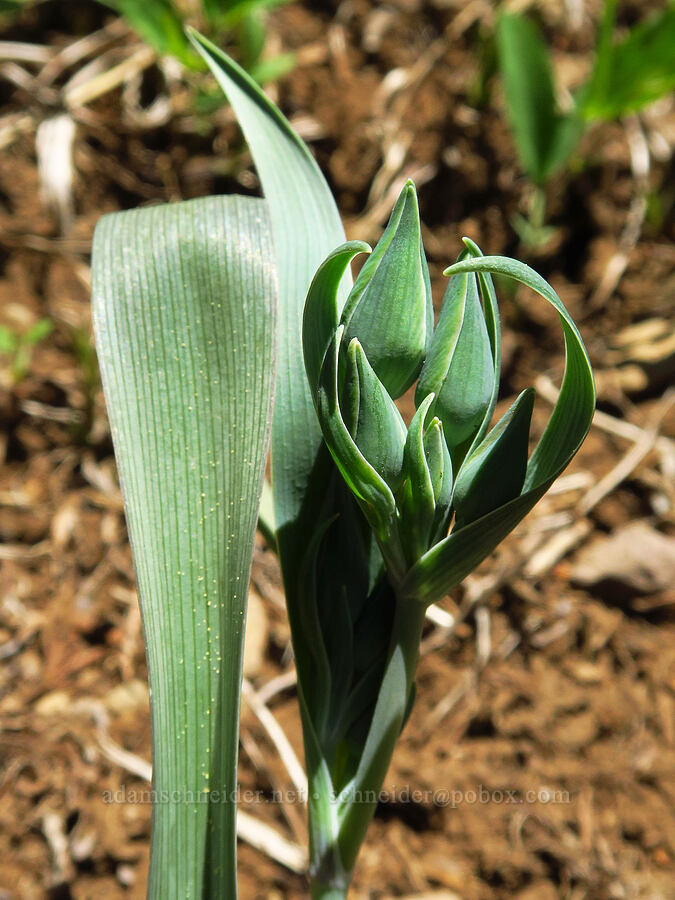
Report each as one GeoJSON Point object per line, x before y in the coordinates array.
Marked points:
{"type": "Point", "coordinates": [390, 309]}
{"type": "Point", "coordinates": [372, 418]}
{"type": "Point", "coordinates": [417, 501]}
{"type": "Point", "coordinates": [440, 473]}
{"type": "Point", "coordinates": [459, 367]}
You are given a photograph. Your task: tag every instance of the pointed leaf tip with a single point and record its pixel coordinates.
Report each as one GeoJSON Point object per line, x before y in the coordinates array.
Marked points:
{"type": "Point", "coordinates": [320, 318]}
{"type": "Point", "coordinates": [494, 472]}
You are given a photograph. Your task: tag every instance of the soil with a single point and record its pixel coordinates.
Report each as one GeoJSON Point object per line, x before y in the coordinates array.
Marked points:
{"type": "Point", "coordinates": [539, 761]}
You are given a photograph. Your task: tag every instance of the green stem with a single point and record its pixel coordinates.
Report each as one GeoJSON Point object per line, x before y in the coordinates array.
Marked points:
{"type": "Point", "coordinates": [338, 825]}
{"type": "Point", "coordinates": [538, 208]}
{"type": "Point", "coordinates": [385, 727]}
{"type": "Point", "coordinates": [325, 892]}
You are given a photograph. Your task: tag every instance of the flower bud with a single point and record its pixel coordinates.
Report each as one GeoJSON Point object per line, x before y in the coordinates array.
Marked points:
{"type": "Point", "coordinates": [416, 500]}
{"type": "Point", "coordinates": [372, 418]}
{"type": "Point", "coordinates": [390, 309]}
{"type": "Point", "coordinates": [459, 367]}
{"type": "Point", "coordinates": [440, 473]}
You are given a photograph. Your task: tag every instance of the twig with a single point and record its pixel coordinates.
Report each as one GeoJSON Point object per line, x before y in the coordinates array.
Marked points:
{"type": "Point", "coordinates": [25, 551]}
{"type": "Point", "coordinates": [20, 52]}
{"type": "Point", "coordinates": [249, 829]}
{"type": "Point", "coordinates": [267, 839]}
{"type": "Point", "coordinates": [110, 79]}
{"type": "Point", "coordinates": [639, 157]}
{"type": "Point", "coordinates": [440, 616]}
{"type": "Point", "coordinates": [556, 548]}
{"type": "Point", "coordinates": [277, 685]}
{"type": "Point", "coordinates": [602, 420]}
{"type": "Point", "coordinates": [89, 45]}
{"type": "Point", "coordinates": [278, 737]}
{"type": "Point", "coordinates": [53, 828]}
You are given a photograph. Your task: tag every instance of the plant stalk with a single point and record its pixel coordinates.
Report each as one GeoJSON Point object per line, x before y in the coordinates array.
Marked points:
{"type": "Point", "coordinates": [354, 816]}
{"type": "Point", "coordinates": [325, 892]}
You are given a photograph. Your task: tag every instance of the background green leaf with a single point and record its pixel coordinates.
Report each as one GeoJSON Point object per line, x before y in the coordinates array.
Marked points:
{"type": "Point", "coordinates": [544, 137]}
{"type": "Point", "coordinates": [160, 25]}
{"type": "Point", "coordinates": [635, 71]}
{"type": "Point", "coordinates": [184, 310]}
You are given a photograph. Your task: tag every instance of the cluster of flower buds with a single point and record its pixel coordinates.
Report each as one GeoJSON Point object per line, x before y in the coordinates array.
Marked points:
{"type": "Point", "coordinates": [447, 467]}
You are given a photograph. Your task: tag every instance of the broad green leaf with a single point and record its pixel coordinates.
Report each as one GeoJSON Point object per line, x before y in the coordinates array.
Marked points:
{"type": "Point", "coordinates": [635, 71]}
{"type": "Point", "coordinates": [450, 561]}
{"type": "Point", "coordinates": [544, 138]}
{"type": "Point", "coordinates": [306, 227]}
{"type": "Point", "coordinates": [495, 471]}
{"type": "Point", "coordinates": [160, 25]}
{"type": "Point", "coordinates": [308, 489]}
{"type": "Point", "coordinates": [184, 300]}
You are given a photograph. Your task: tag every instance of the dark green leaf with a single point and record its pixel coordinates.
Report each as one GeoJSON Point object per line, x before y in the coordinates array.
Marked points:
{"type": "Point", "coordinates": [494, 472]}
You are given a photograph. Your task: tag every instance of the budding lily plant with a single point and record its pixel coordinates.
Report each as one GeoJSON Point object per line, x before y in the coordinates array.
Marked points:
{"type": "Point", "coordinates": [204, 311]}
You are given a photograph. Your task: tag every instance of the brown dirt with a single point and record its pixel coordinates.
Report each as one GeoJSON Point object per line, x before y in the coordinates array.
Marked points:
{"type": "Point", "coordinates": [574, 703]}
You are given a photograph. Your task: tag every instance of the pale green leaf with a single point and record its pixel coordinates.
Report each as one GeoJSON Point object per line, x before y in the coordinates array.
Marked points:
{"type": "Point", "coordinates": [184, 302]}
{"type": "Point", "coordinates": [306, 227]}
{"type": "Point", "coordinates": [417, 500]}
